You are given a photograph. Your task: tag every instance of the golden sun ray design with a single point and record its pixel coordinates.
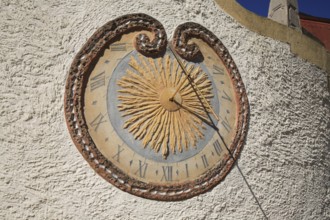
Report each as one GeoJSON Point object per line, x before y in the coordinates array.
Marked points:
{"type": "Point", "coordinates": [151, 117]}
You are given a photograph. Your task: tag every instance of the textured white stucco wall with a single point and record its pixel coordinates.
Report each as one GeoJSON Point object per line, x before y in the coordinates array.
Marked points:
{"type": "Point", "coordinates": [42, 175]}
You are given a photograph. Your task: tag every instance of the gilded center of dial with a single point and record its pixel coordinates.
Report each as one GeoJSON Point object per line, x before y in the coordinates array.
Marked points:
{"type": "Point", "coordinates": [167, 102]}
{"type": "Point", "coordinates": [151, 115]}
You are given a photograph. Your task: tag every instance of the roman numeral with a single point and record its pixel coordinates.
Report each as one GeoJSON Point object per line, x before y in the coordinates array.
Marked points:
{"type": "Point", "coordinates": [97, 81]}
{"type": "Point", "coordinates": [226, 125]}
{"type": "Point", "coordinates": [204, 159]}
{"type": "Point", "coordinates": [218, 70]}
{"type": "Point", "coordinates": [226, 96]}
{"type": "Point", "coordinates": [118, 47]}
{"type": "Point", "coordinates": [167, 173]}
{"type": "Point", "coordinates": [217, 147]}
{"type": "Point", "coordinates": [142, 169]}
{"type": "Point", "coordinates": [120, 149]}
{"type": "Point", "coordinates": [187, 173]}
{"type": "Point", "coordinates": [97, 121]}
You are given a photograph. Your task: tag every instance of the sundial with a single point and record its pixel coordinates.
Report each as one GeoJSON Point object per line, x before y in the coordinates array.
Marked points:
{"type": "Point", "coordinates": [161, 119]}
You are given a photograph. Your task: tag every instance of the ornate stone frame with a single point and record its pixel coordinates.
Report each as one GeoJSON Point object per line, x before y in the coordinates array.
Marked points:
{"type": "Point", "coordinates": [74, 102]}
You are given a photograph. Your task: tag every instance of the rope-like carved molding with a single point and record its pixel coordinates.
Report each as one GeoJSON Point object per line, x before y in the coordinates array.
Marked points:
{"type": "Point", "coordinates": [77, 78]}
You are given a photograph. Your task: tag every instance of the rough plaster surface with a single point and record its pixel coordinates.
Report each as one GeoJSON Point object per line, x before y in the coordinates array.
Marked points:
{"type": "Point", "coordinates": [42, 175]}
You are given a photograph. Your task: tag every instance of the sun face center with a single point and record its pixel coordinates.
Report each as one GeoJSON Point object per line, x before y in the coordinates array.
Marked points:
{"type": "Point", "coordinates": [165, 99]}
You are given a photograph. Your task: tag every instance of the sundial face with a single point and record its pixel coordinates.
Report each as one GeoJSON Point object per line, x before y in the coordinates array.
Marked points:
{"type": "Point", "coordinates": [159, 120]}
